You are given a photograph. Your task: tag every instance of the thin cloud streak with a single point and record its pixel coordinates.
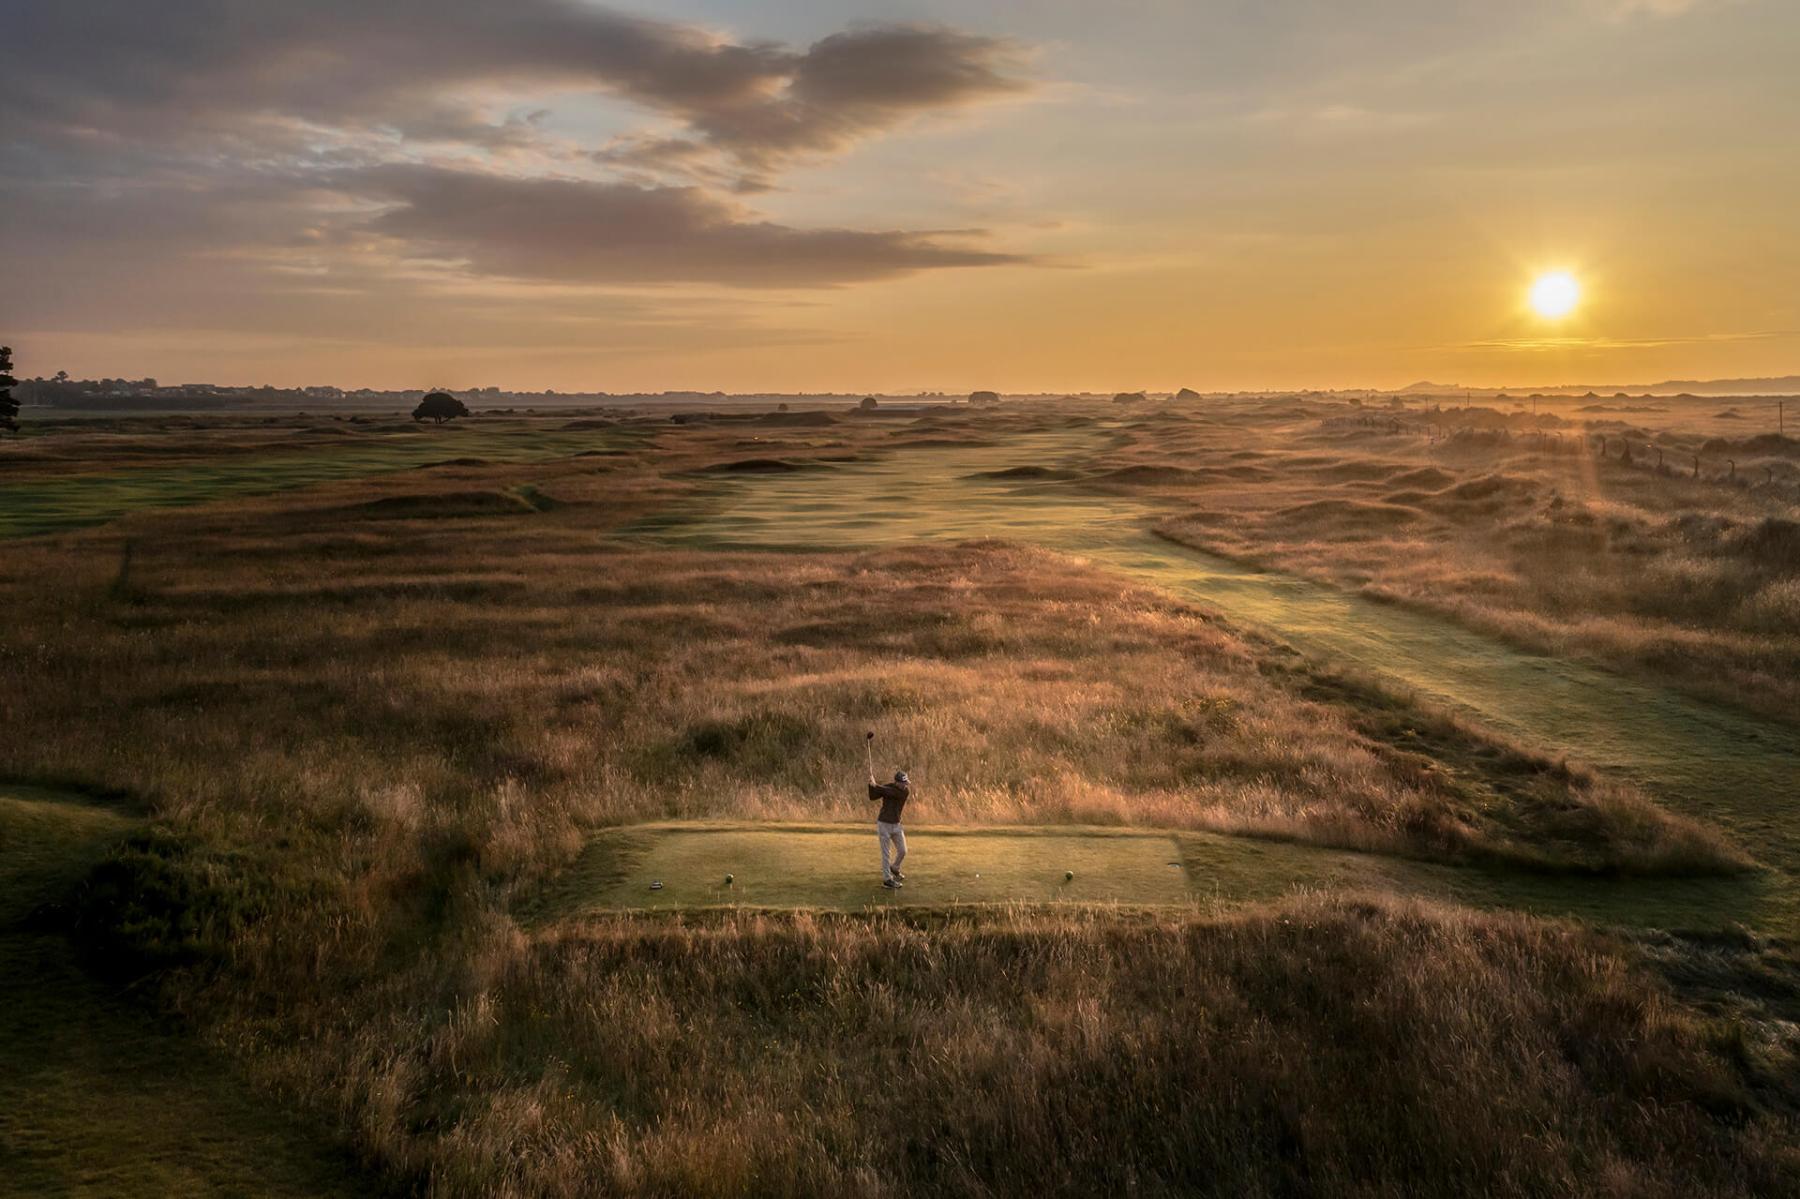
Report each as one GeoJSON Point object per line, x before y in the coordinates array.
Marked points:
{"type": "Point", "coordinates": [1543, 344]}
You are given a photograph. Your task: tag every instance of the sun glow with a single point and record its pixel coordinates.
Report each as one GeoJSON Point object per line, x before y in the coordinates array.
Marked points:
{"type": "Point", "coordinates": [1555, 295]}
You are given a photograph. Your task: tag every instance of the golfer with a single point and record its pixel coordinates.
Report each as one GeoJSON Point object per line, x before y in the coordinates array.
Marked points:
{"type": "Point", "coordinates": [892, 797]}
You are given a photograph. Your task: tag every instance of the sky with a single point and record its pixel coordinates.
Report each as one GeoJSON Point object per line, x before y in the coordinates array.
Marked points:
{"type": "Point", "coordinates": [1024, 195]}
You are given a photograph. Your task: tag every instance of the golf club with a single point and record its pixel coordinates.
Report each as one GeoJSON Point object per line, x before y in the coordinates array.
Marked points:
{"type": "Point", "coordinates": [869, 750]}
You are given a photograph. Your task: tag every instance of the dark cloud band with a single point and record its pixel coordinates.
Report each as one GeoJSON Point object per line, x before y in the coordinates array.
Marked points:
{"type": "Point", "coordinates": [194, 67]}
{"type": "Point", "coordinates": [580, 231]}
{"type": "Point", "coordinates": [113, 104]}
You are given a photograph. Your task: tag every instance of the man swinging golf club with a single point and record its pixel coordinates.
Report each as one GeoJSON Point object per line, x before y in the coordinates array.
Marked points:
{"type": "Point", "coordinates": [892, 798]}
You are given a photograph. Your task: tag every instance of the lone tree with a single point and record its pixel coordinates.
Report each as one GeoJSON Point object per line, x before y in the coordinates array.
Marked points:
{"type": "Point", "coordinates": [440, 406]}
{"type": "Point", "coordinates": [869, 404]}
{"type": "Point", "coordinates": [984, 397]}
{"type": "Point", "coordinates": [9, 407]}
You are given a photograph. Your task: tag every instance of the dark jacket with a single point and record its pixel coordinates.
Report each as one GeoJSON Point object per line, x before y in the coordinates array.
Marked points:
{"type": "Point", "coordinates": [893, 799]}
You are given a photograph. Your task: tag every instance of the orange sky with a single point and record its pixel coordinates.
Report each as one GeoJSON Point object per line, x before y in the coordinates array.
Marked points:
{"type": "Point", "coordinates": [1038, 196]}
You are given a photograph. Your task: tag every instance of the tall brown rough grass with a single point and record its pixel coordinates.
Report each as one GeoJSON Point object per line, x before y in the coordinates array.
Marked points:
{"type": "Point", "coordinates": [1511, 524]}
{"type": "Point", "coordinates": [1322, 1048]}
{"type": "Point", "coordinates": [366, 739]}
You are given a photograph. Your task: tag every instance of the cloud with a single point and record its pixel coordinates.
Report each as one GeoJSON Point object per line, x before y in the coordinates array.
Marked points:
{"type": "Point", "coordinates": [852, 84]}
{"type": "Point", "coordinates": [198, 69]}
{"type": "Point", "coordinates": [372, 146]}
{"type": "Point", "coordinates": [1340, 119]}
{"type": "Point", "coordinates": [1624, 10]}
{"type": "Point", "coordinates": [601, 232]}
{"type": "Point", "coordinates": [1544, 344]}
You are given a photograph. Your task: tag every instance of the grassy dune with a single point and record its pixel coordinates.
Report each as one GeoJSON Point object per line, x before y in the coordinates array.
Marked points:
{"type": "Point", "coordinates": [1512, 524]}
{"type": "Point", "coordinates": [464, 677]}
{"type": "Point", "coordinates": [101, 471]}
{"type": "Point", "coordinates": [371, 724]}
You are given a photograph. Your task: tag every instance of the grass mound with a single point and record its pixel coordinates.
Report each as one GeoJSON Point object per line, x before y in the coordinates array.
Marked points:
{"type": "Point", "coordinates": [97, 1098]}
{"type": "Point", "coordinates": [1146, 476]}
{"type": "Point", "coordinates": [1024, 473]}
{"type": "Point", "coordinates": [1359, 516]}
{"type": "Point", "coordinates": [761, 466]}
{"type": "Point", "coordinates": [467, 462]}
{"type": "Point", "coordinates": [444, 505]}
{"type": "Point", "coordinates": [1771, 543]}
{"type": "Point", "coordinates": [1354, 471]}
{"type": "Point", "coordinates": [1486, 492]}
{"type": "Point", "coordinates": [1510, 806]}
{"type": "Point", "coordinates": [1771, 444]}
{"type": "Point", "coordinates": [1424, 478]}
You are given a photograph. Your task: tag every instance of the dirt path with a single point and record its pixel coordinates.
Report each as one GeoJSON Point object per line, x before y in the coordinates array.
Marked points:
{"type": "Point", "coordinates": [97, 1098]}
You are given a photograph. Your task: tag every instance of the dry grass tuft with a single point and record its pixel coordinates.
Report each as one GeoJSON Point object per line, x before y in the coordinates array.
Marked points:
{"type": "Point", "coordinates": [1513, 525]}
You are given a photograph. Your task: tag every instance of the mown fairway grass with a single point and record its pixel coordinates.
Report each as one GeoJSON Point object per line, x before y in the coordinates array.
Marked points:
{"type": "Point", "coordinates": [73, 497]}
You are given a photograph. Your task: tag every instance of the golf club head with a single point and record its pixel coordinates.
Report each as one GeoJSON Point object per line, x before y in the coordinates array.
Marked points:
{"type": "Point", "coordinates": [870, 735]}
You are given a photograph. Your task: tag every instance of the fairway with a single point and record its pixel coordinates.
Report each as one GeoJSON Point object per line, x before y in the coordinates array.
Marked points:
{"type": "Point", "coordinates": [34, 506]}
{"type": "Point", "coordinates": [1704, 759]}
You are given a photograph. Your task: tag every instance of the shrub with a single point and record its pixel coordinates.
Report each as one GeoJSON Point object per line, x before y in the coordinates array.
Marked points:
{"type": "Point", "coordinates": [439, 406]}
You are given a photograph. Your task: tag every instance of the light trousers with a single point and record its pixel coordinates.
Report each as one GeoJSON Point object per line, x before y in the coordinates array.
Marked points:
{"type": "Point", "coordinates": [895, 836]}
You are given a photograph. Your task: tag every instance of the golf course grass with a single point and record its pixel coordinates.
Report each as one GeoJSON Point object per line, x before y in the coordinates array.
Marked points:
{"type": "Point", "coordinates": [1713, 763]}
{"type": "Point", "coordinates": [834, 867]}
{"type": "Point", "coordinates": [77, 498]}
{"type": "Point", "coordinates": [97, 1098]}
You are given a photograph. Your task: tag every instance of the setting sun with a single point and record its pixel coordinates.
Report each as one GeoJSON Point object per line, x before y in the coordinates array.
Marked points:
{"type": "Point", "coordinates": [1555, 295]}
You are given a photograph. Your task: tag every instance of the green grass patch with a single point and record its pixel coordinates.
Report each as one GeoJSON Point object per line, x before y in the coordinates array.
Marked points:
{"type": "Point", "coordinates": [72, 500]}
{"type": "Point", "coordinates": [97, 1097]}
{"type": "Point", "coordinates": [836, 867]}
{"type": "Point", "coordinates": [802, 866]}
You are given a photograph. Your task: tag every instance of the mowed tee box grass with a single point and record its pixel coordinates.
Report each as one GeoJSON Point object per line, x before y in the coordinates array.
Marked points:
{"type": "Point", "coordinates": [836, 866]}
